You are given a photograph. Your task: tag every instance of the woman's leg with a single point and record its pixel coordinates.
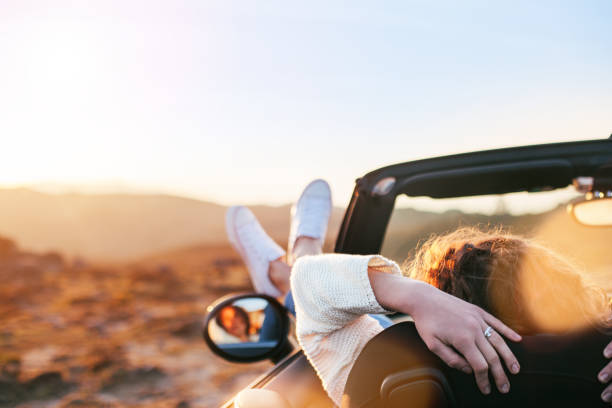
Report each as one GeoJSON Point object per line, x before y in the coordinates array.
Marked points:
{"type": "Point", "coordinates": [279, 271]}
{"type": "Point", "coordinates": [309, 219]}
{"type": "Point", "coordinates": [306, 246]}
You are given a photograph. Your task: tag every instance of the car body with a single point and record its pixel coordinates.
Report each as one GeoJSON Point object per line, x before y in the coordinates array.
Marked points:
{"type": "Point", "coordinates": [370, 215]}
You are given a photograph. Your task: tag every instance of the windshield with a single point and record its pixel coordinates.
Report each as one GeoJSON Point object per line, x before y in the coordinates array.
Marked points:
{"type": "Point", "coordinates": [540, 215]}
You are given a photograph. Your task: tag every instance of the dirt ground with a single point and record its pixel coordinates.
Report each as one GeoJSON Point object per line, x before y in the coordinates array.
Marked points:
{"type": "Point", "coordinates": [74, 334]}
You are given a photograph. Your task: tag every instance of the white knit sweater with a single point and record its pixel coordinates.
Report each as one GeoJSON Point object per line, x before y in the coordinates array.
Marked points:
{"type": "Point", "coordinates": [333, 296]}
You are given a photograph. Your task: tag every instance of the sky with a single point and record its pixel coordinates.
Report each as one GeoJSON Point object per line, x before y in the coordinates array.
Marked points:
{"type": "Point", "coordinates": [245, 102]}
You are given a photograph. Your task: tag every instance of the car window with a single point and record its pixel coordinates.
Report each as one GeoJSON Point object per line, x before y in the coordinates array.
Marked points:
{"type": "Point", "coordinates": [541, 215]}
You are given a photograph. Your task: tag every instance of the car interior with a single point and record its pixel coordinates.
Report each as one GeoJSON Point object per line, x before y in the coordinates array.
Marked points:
{"type": "Point", "coordinates": [396, 369]}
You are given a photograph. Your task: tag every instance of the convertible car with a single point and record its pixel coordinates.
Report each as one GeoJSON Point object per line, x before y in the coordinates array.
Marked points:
{"type": "Point", "coordinates": [560, 193]}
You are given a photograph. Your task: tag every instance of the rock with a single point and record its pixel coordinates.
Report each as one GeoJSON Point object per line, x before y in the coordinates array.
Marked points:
{"type": "Point", "coordinates": [52, 261]}
{"type": "Point", "coordinates": [85, 403]}
{"type": "Point", "coordinates": [47, 385]}
{"type": "Point", "coordinates": [123, 379]}
{"type": "Point", "coordinates": [10, 369]}
{"type": "Point", "coordinates": [102, 365]}
{"type": "Point", "coordinates": [165, 269]}
{"type": "Point", "coordinates": [11, 393]}
{"type": "Point", "coordinates": [189, 330]}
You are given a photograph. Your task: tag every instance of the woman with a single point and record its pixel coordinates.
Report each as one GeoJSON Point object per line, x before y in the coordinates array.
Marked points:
{"type": "Point", "coordinates": [334, 293]}
{"type": "Point", "coordinates": [529, 287]}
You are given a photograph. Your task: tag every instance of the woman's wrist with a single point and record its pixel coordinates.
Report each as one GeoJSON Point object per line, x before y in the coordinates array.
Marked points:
{"type": "Point", "coordinates": [396, 293]}
{"type": "Point", "coordinates": [413, 293]}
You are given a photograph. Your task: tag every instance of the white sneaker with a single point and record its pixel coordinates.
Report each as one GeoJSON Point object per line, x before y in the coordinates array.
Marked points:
{"type": "Point", "coordinates": [256, 248]}
{"type": "Point", "coordinates": [310, 215]}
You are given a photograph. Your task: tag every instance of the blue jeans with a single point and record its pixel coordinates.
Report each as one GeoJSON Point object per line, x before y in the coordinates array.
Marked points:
{"type": "Point", "coordinates": [269, 328]}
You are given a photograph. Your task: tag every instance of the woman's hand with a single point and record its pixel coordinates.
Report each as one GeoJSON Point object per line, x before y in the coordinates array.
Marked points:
{"type": "Point", "coordinates": [606, 374]}
{"type": "Point", "coordinates": [452, 328]}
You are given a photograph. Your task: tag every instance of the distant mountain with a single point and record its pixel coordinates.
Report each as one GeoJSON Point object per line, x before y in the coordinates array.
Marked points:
{"type": "Point", "coordinates": [122, 226]}
{"type": "Point", "coordinates": [128, 227]}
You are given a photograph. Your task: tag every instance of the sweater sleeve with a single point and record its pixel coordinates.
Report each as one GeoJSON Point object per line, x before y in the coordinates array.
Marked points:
{"type": "Point", "coordinates": [333, 296]}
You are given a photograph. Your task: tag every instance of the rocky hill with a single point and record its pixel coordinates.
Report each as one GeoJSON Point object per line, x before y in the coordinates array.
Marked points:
{"type": "Point", "coordinates": [120, 227]}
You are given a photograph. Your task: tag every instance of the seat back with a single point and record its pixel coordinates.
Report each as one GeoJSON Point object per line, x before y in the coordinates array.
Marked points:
{"type": "Point", "coordinates": [396, 369]}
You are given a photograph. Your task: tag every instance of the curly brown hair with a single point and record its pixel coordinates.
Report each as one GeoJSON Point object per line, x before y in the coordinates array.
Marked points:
{"type": "Point", "coordinates": [528, 286]}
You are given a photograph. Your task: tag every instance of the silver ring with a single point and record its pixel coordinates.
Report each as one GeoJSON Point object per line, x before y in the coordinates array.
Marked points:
{"type": "Point", "coordinates": [488, 332]}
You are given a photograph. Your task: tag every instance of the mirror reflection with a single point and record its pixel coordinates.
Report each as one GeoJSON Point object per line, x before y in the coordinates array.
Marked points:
{"type": "Point", "coordinates": [597, 212]}
{"type": "Point", "coordinates": [246, 327]}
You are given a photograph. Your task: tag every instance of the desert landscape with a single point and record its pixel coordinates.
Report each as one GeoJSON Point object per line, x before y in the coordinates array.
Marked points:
{"type": "Point", "coordinates": [103, 297]}
{"type": "Point", "coordinates": [76, 334]}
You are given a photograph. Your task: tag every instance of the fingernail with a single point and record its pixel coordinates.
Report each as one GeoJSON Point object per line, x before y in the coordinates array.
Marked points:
{"type": "Point", "coordinates": [603, 377]}
{"type": "Point", "coordinates": [606, 397]}
{"type": "Point", "coordinates": [515, 368]}
{"type": "Point", "coordinates": [467, 370]}
{"type": "Point", "coordinates": [487, 390]}
{"type": "Point", "coordinates": [607, 353]}
{"type": "Point", "coordinates": [505, 388]}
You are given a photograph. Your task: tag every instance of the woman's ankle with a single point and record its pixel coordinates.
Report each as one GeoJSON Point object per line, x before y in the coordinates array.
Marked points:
{"type": "Point", "coordinates": [306, 246]}
{"type": "Point", "coordinates": [279, 273]}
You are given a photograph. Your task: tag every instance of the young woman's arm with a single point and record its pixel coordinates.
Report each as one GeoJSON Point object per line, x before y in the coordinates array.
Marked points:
{"type": "Point", "coordinates": [334, 292]}
{"type": "Point", "coordinates": [333, 295]}
{"type": "Point", "coordinates": [451, 328]}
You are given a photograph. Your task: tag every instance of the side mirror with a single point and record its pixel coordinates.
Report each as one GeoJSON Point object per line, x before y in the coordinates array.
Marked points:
{"type": "Point", "coordinates": [247, 328]}
{"type": "Point", "coordinates": [595, 211]}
